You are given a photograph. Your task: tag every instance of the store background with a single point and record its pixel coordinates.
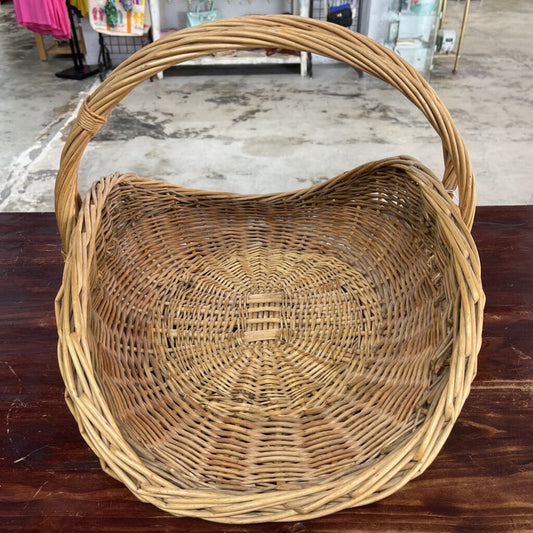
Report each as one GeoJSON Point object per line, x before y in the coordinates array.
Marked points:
{"type": "Point", "coordinates": [264, 129]}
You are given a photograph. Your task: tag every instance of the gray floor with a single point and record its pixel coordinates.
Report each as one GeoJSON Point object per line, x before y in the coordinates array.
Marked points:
{"type": "Point", "coordinates": [270, 131]}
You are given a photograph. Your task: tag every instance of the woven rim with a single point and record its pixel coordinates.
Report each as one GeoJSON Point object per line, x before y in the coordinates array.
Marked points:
{"type": "Point", "coordinates": [408, 459]}
{"type": "Point", "coordinates": [79, 223]}
{"type": "Point", "coordinates": [285, 31]}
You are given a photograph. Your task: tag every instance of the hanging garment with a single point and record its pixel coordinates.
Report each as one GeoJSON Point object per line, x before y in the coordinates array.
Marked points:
{"type": "Point", "coordinates": [112, 17]}
{"type": "Point", "coordinates": [81, 6]}
{"type": "Point", "coordinates": [44, 16]}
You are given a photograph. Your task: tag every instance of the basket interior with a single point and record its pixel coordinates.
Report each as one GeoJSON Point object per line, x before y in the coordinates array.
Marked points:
{"type": "Point", "coordinates": [247, 342]}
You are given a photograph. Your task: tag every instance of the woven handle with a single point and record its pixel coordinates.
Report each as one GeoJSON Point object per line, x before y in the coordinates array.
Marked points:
{"type": "Point", "coordinates": [283, 31]}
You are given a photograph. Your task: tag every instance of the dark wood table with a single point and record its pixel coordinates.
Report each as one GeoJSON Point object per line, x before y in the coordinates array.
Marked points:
{"type": "Point", "coordinates": [51, 481]}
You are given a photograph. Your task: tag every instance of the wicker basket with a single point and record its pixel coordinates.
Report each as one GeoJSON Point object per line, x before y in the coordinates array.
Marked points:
{"type": "Point", "coordinates": [268, 357]}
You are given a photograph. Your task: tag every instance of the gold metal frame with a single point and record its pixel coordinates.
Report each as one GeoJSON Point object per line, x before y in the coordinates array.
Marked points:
{"type": "Point", "coordinates": [457, 54]}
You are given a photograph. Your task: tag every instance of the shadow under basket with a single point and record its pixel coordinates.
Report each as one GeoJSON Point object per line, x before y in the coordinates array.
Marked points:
{"type": "Point", "coordinates": [249, 358]}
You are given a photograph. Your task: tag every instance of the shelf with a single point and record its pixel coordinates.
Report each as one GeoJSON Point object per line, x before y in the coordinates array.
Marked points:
{"type": "Point", "coordinates": [459, 47]}
{"type": "Point", "coordinates": [451, 55]}
{"type": "Point", "coordinates": [241, 57]}
{"type": "Point", "coordinates": [246, 57]}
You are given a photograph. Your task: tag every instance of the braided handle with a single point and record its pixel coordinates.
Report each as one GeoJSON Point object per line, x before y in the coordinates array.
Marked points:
{"type": "Point", "coordinates": [279, 31]}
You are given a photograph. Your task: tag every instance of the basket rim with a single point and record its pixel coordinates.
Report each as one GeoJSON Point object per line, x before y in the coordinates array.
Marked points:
{"type": "Point", "coordinates": [99, 429]}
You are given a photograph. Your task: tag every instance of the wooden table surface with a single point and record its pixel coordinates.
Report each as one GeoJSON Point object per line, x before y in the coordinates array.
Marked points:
{"type": "Point", "coordinates": [50, 481]}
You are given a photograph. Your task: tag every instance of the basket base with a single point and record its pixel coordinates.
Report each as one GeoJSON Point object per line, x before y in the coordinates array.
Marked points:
{"type": "Point", "coordinates": [246, 343]}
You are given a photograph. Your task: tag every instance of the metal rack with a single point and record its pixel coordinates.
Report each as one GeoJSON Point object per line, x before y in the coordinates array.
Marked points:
{"type": "Point", "coordinates": [457, 54]}
{"type": "Point", "coordinates": [113, 49]}
{"type": "Point", "coordinates": [80, 70]}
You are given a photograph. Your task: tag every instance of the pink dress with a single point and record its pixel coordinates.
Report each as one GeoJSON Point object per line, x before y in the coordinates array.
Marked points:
{"type": "Point", "coordinates": [44, 16]}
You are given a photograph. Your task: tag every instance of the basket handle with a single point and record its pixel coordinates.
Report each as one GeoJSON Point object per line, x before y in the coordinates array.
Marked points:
{"type": "Point", "coordinates": [278, 31]}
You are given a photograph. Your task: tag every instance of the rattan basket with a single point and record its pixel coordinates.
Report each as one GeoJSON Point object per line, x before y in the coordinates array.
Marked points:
{"type": "Point", "coordinates": [268, 357]}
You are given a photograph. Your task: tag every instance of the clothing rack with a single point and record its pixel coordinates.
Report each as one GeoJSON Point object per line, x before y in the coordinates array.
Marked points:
{"type": "Point", "coordinates": [80, 70]}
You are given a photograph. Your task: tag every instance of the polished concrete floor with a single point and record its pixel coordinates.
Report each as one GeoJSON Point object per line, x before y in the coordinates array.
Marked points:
{"type": "Point", "coordinates": [270, 130]}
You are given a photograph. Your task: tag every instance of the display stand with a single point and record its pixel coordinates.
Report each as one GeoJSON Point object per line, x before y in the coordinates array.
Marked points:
{"type": "Point", "coordinates": [61, 48]}
{"type": "Point", "coordinates": [79, 71]}
{"type": "Point", "coordinates": [113, 49]}
{"type": "Point", "coordinates": [255, 57]}
{"type": "Point", "coordinates": [455, 55]}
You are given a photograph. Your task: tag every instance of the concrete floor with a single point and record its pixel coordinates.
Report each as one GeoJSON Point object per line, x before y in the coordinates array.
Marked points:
{"type": "Point", "coordinates": [272, 130]}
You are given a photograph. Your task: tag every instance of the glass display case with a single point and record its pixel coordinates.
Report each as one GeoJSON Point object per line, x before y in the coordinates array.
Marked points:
{"type": "Point", "coordinates": [406, 26]}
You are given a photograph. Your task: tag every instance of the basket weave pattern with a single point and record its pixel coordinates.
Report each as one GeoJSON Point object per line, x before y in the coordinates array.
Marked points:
{"type": "Point", "coordinates": [268, 357]}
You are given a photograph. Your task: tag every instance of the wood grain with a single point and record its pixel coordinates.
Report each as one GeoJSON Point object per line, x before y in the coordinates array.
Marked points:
{"type": "Point", "coordinates": [50, 481]}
